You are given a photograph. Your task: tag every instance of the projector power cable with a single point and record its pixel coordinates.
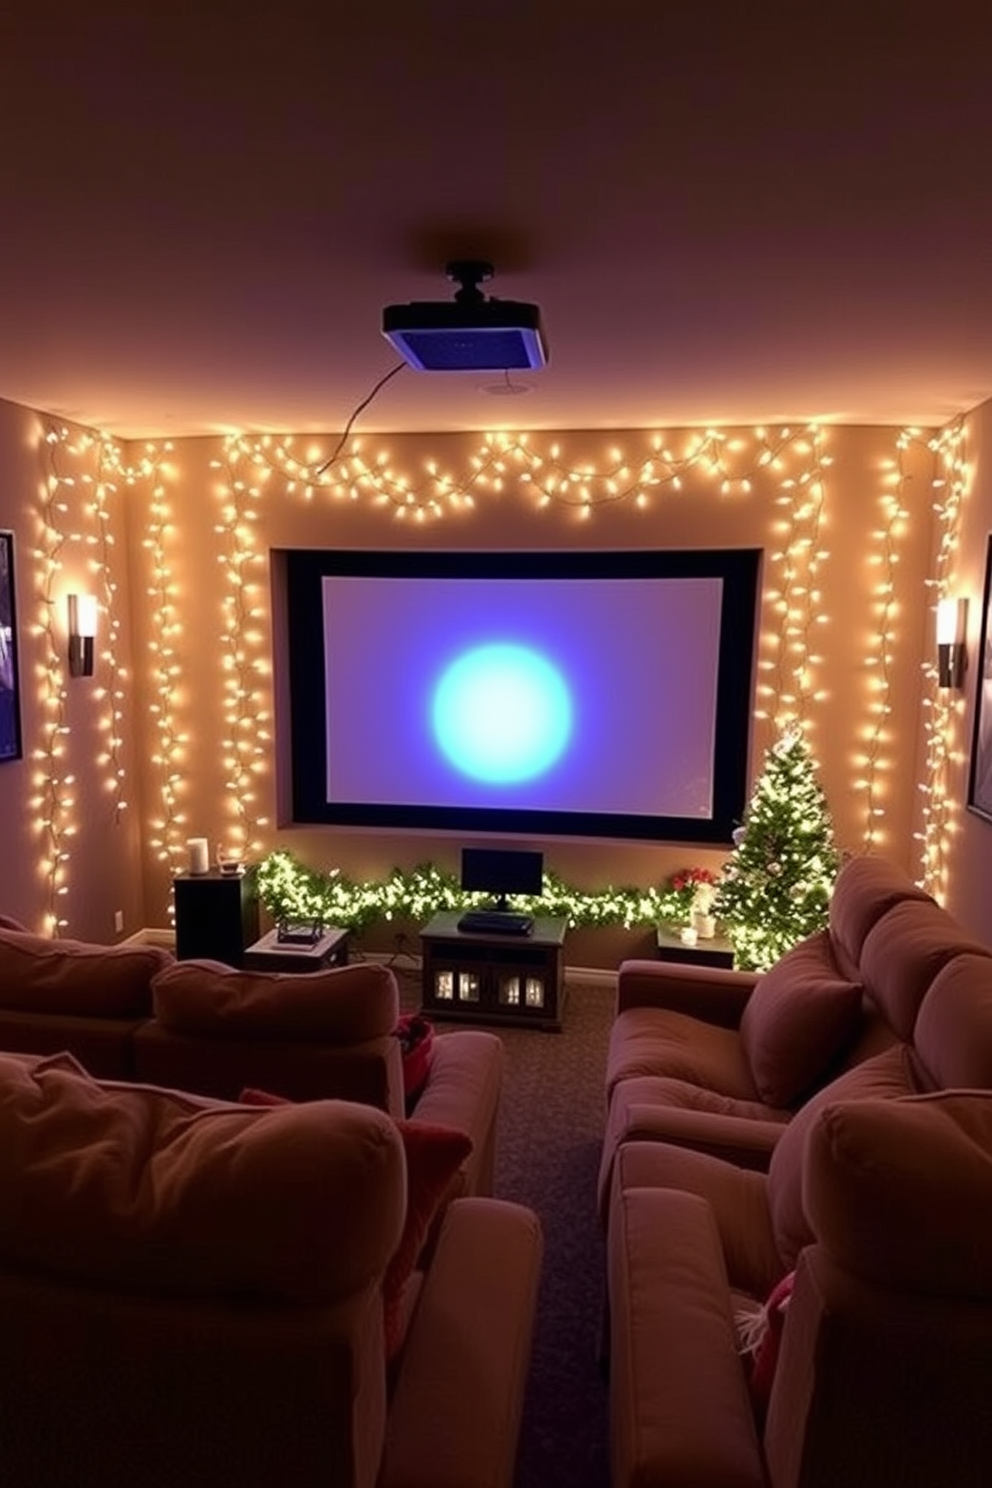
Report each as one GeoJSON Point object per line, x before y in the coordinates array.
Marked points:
{"type": "Point", "coordinates": [364, 404]}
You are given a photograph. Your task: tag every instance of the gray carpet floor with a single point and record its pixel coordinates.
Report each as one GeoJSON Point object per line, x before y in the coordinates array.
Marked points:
{"type": "Point", "coordinates": [550, 1132]}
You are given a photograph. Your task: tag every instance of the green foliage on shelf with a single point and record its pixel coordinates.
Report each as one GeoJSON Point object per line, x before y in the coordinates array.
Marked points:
{"type": "Point", "coordinates": [777, 883]}
{"type": "Point", "coordinates": [774, 890]}
{"type": "Point", "coordinates": [290, 891]}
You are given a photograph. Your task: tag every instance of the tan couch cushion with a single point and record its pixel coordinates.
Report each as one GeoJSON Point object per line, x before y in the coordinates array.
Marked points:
{"type": "Point", "coordinates": [39, 975]}
{"type": "Point", "coordinates": [681, 1095]}
{"type": "Point", "coordinates": [130, 1186]}
{"type": "Point", "coordinates": [346, 1004]}
{"type": "Point", "coordinates": [797, 1020]}
{"type": "Point", "coordinates": [902, 955]}
{"type": "Point", "coordinates": [900, 1192]}
{"type": "Point", "coordinates": [736, 1196]}
{"type": "Point", "coordinates": [953, 1035]}
{"type": "Point", "coordinates": [647, 1108]}
{"type": "Point", "coordinates": [657, 1041]}
{"type": "Point", "coordinates": [885, 1077]}
{"type": "Point", "coordinates": [865, 889]}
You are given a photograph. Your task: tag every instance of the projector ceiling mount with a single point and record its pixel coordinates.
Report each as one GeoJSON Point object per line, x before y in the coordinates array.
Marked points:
{"type": "Point", "coordinates": [469, 273]}
{"type": "Point", "coordinates": [470, 334]}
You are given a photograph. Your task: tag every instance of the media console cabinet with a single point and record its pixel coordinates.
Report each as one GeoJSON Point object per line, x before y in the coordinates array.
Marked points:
{"type": "Point", "coordinates": [494, 978]}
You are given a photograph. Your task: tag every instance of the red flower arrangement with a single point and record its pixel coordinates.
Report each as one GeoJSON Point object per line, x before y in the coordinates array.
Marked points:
{"type": "Point", "coordinates": [693, 889]}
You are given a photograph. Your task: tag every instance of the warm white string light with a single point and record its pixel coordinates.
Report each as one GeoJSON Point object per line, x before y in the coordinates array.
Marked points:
{"type": "Point", "coordinates": [790, 655]}
{"type": "Point", "coordinates": [110, 690]}
{"type": "Point", "coordinates": [53, 796]}
{"type": "Point", "coordinates": [875, 760]}
{"type": "Point", "coordinates": [788, 465]}
{"type": "Point", "coordinates": [517, 461]}
{"type": "Point", "coordinates": [171, 747]}
{"type": "Point", "coordinates": [245, 643]}
{"type": "Point", "coordinates": [83, 476]}
{"type": "Point", "coordinates": [943, 708]}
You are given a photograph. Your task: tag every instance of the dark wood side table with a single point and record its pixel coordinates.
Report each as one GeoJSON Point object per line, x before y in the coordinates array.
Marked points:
{"type": "Point", "coordinates": [714, 951]}
{"type": "Point", "coordinates": [216, 915]}
{"type": "Point", "coordinates": [494, 978]}
{"type": "Point", "coordinates": [272, 954]}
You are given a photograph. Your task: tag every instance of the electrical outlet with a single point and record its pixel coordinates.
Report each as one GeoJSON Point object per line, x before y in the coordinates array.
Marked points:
{"type": "Point", "coordinates": [118, 921]}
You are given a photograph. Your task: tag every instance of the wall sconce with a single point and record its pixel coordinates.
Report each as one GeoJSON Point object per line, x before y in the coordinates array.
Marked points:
{"type": "Point", "coordinates": [952, 615]}
{"type": "Point", "coordinates": [82, 630]}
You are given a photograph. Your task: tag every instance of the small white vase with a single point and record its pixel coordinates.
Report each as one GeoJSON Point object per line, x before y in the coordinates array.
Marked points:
{"type": "Point", "coordinates": [704, 925]}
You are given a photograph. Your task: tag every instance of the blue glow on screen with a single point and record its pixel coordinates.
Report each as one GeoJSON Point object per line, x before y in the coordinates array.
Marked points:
{"type": "Point", "coordinates": [563, 695]}
{"type": "Point", "coordinates": [502, 713]}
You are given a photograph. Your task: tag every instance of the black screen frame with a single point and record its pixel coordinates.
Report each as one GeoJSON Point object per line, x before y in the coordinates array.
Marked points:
{"type": "Point", "coordinates": [298, 574]}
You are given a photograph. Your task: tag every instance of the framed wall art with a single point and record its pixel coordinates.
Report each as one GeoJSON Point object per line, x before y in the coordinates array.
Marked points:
{"type": "Point", "coordinates": [980, 771]}
{"type": "Point", "coordinates": [10, 699]}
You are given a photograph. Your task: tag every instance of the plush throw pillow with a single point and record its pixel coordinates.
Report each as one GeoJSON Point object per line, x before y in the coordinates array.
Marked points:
{"type": "Point", "coordinates": [759, 1338]}
{"type": "Point", "coordinates": [883, 1077]}
{"type": "Point", "coordinates": [797, 1020]}
{"type": "Point", "coordinates": [112, 1184]}
{"type": "Point", "coordinates": [433, 1156]}
{"type": "Point", "coordinates": [897, 1192]}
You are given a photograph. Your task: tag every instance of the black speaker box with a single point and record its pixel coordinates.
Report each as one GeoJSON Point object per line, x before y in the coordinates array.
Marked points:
{"type": "Point", "coordinates": [216, 915]}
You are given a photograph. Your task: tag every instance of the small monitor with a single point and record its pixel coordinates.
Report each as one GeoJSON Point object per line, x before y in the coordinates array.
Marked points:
{"type": "Point", "coordinates": [500, 872]}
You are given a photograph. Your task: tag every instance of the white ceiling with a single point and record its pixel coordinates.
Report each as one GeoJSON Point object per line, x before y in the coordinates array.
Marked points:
{"type": "Point", "coordinates": [728, 212]}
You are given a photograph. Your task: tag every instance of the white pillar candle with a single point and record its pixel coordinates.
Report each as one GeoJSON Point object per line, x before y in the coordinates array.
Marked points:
{"type": "Point", "coordinates": [199, 858]}
{"type": "Point", "coordinates": [688, 935]}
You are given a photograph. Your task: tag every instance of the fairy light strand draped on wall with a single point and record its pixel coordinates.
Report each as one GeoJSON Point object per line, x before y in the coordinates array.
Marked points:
{"type": "Point", "coordinates": [788, 689]}
{"type": "Point", "coordinates": [943, 708]}
{"type": "Point", "coordinates": [791, 463]}
{"type": "Point", "coordinates": [247, 680]}
{"type": "Point", "coordinates": [53, 799]}
{"type": "Point", "coordinates": [875, 761]}
{"type": "Point", "coordinates": [171, 745]}
{"type": "Point", "coordinates": [110, 692]}
{"type": "Point", "coordinates": [83, 477]}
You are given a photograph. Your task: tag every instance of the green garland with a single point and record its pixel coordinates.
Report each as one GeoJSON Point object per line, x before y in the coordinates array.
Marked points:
{"type": "Point", "coordinates": [290, 891]}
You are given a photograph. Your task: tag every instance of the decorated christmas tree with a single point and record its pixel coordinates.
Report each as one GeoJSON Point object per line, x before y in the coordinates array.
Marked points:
{"type": "Point", "coordinates": [776, 886]}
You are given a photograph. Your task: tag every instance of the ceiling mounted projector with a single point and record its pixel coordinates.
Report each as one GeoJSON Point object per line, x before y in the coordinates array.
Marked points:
{"type": "Point", "coordinates": [472, 334]}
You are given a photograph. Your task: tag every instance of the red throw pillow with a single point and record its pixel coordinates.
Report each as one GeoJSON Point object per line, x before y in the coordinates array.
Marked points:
{"type": "Point", "coordinates": [433, 1156]}
{"type": "Point", "coordinates": [761, 1338]}
{"type": "Point", "coordinates": [416, 1038]}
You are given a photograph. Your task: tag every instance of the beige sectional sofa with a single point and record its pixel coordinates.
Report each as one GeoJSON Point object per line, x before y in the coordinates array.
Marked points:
{"type": "Point", "coordinates": [721, 1060]}
{"type": "Point", "coordinates": [133, 1012]}
{"type": "Point", "coordinates": [313, 1287]}
{"type": "Point", "coordinates": [868, 1193]}
{"type": "Point", "coordinates": [200, 1293]}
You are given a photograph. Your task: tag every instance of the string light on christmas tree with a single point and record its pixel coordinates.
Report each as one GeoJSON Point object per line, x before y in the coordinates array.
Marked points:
{"type": "Point", "coordinates": [776, 887]}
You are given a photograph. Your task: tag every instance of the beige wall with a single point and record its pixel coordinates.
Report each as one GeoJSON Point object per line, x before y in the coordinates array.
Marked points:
{"type": "Point", "coordinates": [70, 846]}
{"type": "Point", "coordinates": [187, 524]}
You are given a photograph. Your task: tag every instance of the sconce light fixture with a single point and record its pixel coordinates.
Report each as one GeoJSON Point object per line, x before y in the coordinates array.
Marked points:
{"type": "Point", "coordinates": [952, 615]}
{"type": "Point", "coordinates": [82, 630]}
